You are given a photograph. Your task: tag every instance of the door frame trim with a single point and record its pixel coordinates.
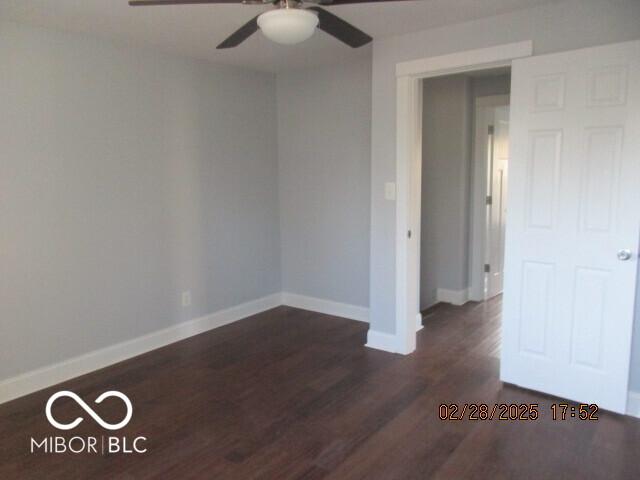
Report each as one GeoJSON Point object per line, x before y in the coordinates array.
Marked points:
{"type": "Point", "coordinates": [409, 159]}
{"type": "Point", "coordinates": [478, 208]}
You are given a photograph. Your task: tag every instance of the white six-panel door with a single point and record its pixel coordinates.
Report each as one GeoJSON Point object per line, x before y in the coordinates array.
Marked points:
{"type": "Point", "coordinates": [574, 208]}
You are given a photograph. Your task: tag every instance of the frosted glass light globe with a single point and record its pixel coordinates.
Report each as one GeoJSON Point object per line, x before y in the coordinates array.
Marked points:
{"type": "Point", "coordinates": [288, 26]}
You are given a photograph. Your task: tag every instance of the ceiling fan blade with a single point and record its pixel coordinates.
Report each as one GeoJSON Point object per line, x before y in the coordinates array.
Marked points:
{"type": "Point", "coordinates": [146, 3]}
{"type": "Point", "coordinates": [343, 31]}
{"type": "Point", "coordinates": [240, 35]}
{"type": "Point", "coordinates": [347, 2]}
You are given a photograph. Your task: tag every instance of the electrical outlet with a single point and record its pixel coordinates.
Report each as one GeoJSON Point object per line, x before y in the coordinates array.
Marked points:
{"type": "Point", "coordinates": [186, 298]}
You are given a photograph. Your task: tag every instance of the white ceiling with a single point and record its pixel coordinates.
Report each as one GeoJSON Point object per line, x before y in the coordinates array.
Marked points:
{"type": "Point", "coordinates": [195, 30]}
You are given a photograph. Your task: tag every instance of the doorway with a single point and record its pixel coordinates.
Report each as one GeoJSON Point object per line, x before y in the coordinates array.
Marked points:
{"type": "Point", "coordinates": [490, 166]}
{"type": "Point", "coordinates": [408, 171]}
{"type": "Point", "coordinates": [465, 136]}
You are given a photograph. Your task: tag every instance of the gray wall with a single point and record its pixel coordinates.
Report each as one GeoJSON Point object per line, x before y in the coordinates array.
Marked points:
{"type": "Point", "coordinates": [491, 85]}
{"type": "Point", "coordinates": [324, 132]}
{"type": "Point", "coordinates": [554, 27]}
{"type": "Point", "coordinates": [126, 177]}
{"type": "Point", "coordinates": [446, 137]}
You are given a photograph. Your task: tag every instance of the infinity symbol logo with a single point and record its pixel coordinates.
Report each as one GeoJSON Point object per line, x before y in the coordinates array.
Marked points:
{"type": "Point", "coordinates": [89, 410]}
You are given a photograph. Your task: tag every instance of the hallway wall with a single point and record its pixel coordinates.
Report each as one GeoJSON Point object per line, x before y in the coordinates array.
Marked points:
{"type": "Point", "coordinates": [447, 114]}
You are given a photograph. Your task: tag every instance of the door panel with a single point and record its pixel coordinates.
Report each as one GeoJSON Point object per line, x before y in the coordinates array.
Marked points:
{"type": "Point", "coordinates": [535, 308]}
{"type": "Point", "coordinates": [600, 181]}
{"type": "Point", "coordinates": [590, 294]}
{"type": "Point", "coordinates": [543, 163]}
{"type": "Point", "coordinates": [574, 184]}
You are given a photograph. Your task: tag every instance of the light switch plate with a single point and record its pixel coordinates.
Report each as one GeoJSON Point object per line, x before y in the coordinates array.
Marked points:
{"type": "Point", "coordinates": [390, 191]}
{"type": "Point", "coordinates": [186, 298]}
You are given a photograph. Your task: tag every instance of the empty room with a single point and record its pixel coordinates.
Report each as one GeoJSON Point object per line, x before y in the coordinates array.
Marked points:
{"type": "Point", "coordinates": [319, 239]}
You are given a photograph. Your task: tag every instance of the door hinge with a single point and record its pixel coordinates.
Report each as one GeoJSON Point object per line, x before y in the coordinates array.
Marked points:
{"type": "Point", "coordinates": [491, 129]}
{"type": "Point", "coordinates": [489, 200]}
{"type": "Point", "coordinates": [487, 268]}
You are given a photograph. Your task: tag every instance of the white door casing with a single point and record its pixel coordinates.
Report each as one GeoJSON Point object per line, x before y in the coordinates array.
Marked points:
{"type": "Point", "coordinates": [408, 177]}
{"type": "Point", "coordinates": [574, 191]}
{"type": "Point", "coordinates": [497, 172]}
{"type": "Point", "coordinates": [484, 117]}
{"type": "Point", "coordinates": [408, 166]}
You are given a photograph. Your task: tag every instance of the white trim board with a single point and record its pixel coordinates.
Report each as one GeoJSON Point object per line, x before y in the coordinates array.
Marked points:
{"type": "Point", "coordinates": [488, 57]}
{"type": "Point", "coordinates": [328, 307]}
{"type": "Point", "coordinates": [455, 297]}
{"type": "Point", "coordinates": [381, 341]}
{"type": "Point", "coordinates": [633, 404]}
{"type": "Point", "coordinates": [48, 376]}
{"type": "Point", "coordinates": [387, 342]}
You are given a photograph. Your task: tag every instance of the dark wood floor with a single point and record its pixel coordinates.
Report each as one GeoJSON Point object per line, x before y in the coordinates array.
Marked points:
{"type": "Point", "coordinates": [290, 394]}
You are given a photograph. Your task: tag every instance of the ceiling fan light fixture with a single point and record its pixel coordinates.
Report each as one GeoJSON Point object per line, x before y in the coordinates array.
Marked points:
{"type": "Point", "coordinates": [288, 26]}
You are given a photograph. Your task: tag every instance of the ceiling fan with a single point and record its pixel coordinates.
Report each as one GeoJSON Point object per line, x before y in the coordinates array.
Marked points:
{"type": "Point", "coordinates": [288, 23]}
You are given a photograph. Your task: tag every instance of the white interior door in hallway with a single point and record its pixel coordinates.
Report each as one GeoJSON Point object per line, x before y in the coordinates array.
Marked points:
{"type": "Point", "coordinates": [497, 169]}
{"type": "Point", "coordinates": [573, 223]}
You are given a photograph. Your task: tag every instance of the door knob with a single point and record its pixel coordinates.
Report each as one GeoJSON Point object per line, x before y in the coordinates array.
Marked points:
{"type": "Point", "coordinates": [624, 255]}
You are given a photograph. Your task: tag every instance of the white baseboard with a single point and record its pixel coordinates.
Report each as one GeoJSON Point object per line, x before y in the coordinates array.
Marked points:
{"type": "Point", "coordinates": [633, 404]}
{"type": "Point", "coordinates": [387, 341]}
{"type": "Point", "coordinates": [44, 377]}
{"type": "Point", "coordinates": [381, 341]}
{"type": "Point", "coordinates": [47, 376]}
{"type": "Point", "coordinates": [327, 307]}
{"type": "Point", "coordinates": [476, 295]}
{"type": "Point", "coordinates": [455, 297]}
